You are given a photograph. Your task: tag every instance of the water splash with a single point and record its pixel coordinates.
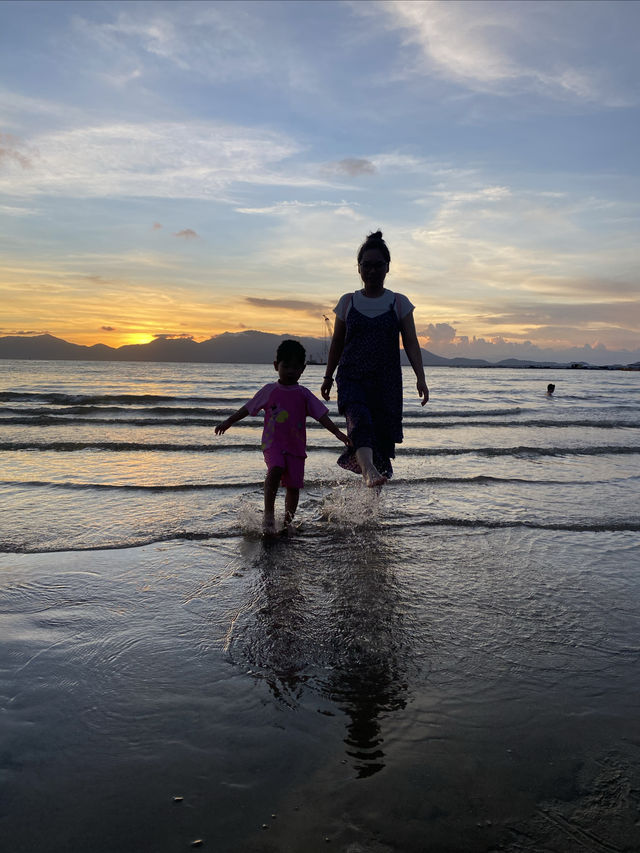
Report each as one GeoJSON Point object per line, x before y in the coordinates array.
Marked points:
{"type": "Point", "coordinates": [250, 513]}
{"type": "Point", "coordinates": [353, 506]}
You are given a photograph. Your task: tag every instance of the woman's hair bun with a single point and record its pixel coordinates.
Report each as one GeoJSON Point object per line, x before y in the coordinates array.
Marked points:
{"type": "Point", "coordinates": [375, 241]}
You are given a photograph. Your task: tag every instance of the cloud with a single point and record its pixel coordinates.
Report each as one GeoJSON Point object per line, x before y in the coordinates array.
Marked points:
{"type": "Point", "coordinates": [352, 166]}
{"type": "Point", "coordinates": [121, 79]}
{"type": "Point", "coordinates": [12, 210]}
{"type": "Point", "coordinates": [289, 208]}
{"type": "Point", "coordinates": [505, 48]}
{"type": "Point", "coordinates": [14, 107]}
{"type": "Point", "coordinates": [312, 308]}
{"type": "Point", "coordinates": [187, 234]}
{"type": "Point", "coordinates": [10, 151]}
{"type": "Point", "coordinates": [438, 333]}
{"type": "Point", "coordinates": [494, 348]}
{"type": "Point", "coordinates": [156, 226]}
{"type": "Point", "coordinates": [108, 328]}
{"type": "Point", "coordinates": [200, 38]}
{"type": "Point", "coordinates": [217, 43]}
{"type": "Point", "coordinates": [159, 159]}
{"type": "Point", "coordinates": [169, 336]}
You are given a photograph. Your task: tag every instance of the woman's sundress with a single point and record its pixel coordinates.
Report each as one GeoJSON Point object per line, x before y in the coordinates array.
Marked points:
{"type": "Point", "coordinates": [369, 382]}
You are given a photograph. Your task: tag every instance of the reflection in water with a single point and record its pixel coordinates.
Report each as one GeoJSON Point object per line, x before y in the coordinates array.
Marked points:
{"type": "Point", "coordinates": [369, 675]}
{"type": "Point", "coordinates": [329, 617]}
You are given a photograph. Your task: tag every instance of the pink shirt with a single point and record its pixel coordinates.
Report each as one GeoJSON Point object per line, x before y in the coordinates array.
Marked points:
{"type": "Point", "coordinates": [285, 413]}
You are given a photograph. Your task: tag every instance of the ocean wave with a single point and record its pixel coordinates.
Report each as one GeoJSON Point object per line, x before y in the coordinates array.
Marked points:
{"type": "Point", "coordinates": [606, 526]}
{"type": "Point", "coordinates": [310, 483]}
{"type": "Point", "coordinates": [177, 416]}
{"type": "Point", "coordinates": [61, 399]}
{"type": "Point", "coordinates": [7, 547]}
{"type": "Point", "coordinates": [132, 487]}
{"type": "Point", "coordinates": [121, 446]}
{"type": "Point", "coordinates": [183, 411]}
{"type": "Point", "coordinates": [473, 413]}
{"type": "Point", "coordinates": [58, 420]}
{"type": "Point", "coordinates": [176, 447]}
{"type": "Point", "coordinates": [547, 422]}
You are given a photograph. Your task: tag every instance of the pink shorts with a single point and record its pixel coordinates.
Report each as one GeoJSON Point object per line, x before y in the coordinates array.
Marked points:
{"type": "Point", "coordinates": [293, 467]}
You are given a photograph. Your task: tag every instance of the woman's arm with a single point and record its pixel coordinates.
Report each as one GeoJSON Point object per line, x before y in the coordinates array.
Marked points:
{"type": "Point", "coordinates": [412, 349]}
{"type": "Point", "coordinates": [335, 351]}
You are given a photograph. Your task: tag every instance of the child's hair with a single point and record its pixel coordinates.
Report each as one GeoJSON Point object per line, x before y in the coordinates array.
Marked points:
{"type": "Point", "coordinates": [375, 241]}
{"type": "Point", "coordinates": [291, 351]}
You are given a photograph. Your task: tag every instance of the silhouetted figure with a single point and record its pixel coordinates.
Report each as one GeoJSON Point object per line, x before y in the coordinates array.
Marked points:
{"type": "Point", "coordinates": [366, 351]}
{"type": "Point", "coordinates": [286, 407]}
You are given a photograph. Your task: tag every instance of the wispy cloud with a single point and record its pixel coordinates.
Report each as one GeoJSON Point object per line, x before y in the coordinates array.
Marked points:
{"type": "Point", "coordinates": [167, 160]}
{"type": "Point", "coordinates": [11, 152]}
{"type": "Point", "coordinates": [14, 210]}
{"type": "Point", "coordinates": [187, 234]}
{"type": "Point", "coordinates": [289, 208]}
{"type": "Point", "coordinates": [312, 308]}
{"type": "Point", "coordinates": [352, 166]}
{"type": "Point", "coordinates": [219, 43]}
{"type": "Point", "coordinates": [216, 43]}
{"type": "Point", "coordinates": [510, 47]}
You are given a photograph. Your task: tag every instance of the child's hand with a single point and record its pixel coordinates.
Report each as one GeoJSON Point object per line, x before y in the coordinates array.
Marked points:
{"type": "Point", "coordinates": [223, 427]}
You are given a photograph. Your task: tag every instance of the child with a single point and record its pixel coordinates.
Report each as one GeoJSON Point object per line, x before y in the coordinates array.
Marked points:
{"type": "Point", "coordinates": [286, 406]}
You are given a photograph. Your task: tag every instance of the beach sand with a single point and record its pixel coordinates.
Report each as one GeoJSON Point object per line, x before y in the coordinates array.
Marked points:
{"type": "Point", "coordinates": [297, 705]}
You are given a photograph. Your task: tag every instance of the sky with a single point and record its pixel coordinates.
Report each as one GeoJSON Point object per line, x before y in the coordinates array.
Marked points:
{"type": "Point", "coordinates": [187, 169]}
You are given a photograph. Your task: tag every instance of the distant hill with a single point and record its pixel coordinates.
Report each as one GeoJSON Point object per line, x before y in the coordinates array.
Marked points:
{"type": "Point", "coordinates": [250, 347]}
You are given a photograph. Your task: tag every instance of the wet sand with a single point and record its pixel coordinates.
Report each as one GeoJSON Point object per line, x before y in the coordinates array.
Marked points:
{"type": "Point", "coordinates": [296, 705]}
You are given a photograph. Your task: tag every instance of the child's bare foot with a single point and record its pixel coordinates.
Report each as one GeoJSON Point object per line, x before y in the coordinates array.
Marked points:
{"type": "Point", "coordinates": [269, 526]}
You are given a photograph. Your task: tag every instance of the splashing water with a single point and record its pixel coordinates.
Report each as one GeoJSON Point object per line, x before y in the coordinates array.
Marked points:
{"type": "Point", "coordinates": [352, 506]}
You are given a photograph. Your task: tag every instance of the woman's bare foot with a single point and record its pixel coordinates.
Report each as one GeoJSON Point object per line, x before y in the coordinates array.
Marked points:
{"type": "Point", "coordinates": [370, 474]}
{"type": "Point", "coordinates": [372, 478]}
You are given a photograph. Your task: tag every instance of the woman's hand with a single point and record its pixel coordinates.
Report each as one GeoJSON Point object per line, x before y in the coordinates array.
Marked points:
{"type": "Point", "coordinates": [325, 388]}
{"type": "Point", "coordinates": [423, 391]}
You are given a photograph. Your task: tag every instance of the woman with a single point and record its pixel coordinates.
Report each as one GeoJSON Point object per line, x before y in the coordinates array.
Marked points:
{"type": "Point", "coordinates": [365, 347]}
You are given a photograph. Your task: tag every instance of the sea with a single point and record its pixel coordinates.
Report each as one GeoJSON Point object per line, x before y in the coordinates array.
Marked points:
{"type": "Point", "coordinates": [451, 663]}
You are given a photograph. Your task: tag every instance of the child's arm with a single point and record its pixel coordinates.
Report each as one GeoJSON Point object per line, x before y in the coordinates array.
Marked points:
{"type": "Point", "coordinates": [327, 423]}
{"type": "Point", "coordinates": [231, 420]}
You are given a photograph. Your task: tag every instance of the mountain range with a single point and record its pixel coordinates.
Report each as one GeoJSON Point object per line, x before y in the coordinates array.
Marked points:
{"type": "Point", "coordinates": [248, 347]}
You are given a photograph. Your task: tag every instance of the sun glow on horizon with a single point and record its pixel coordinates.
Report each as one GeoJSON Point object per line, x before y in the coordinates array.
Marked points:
{"type": "Point", "coordinates": [137, 338]}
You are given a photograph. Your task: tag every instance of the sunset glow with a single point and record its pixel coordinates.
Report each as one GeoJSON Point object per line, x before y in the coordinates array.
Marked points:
{"type": "Point", "coordinates": [188, 169]}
